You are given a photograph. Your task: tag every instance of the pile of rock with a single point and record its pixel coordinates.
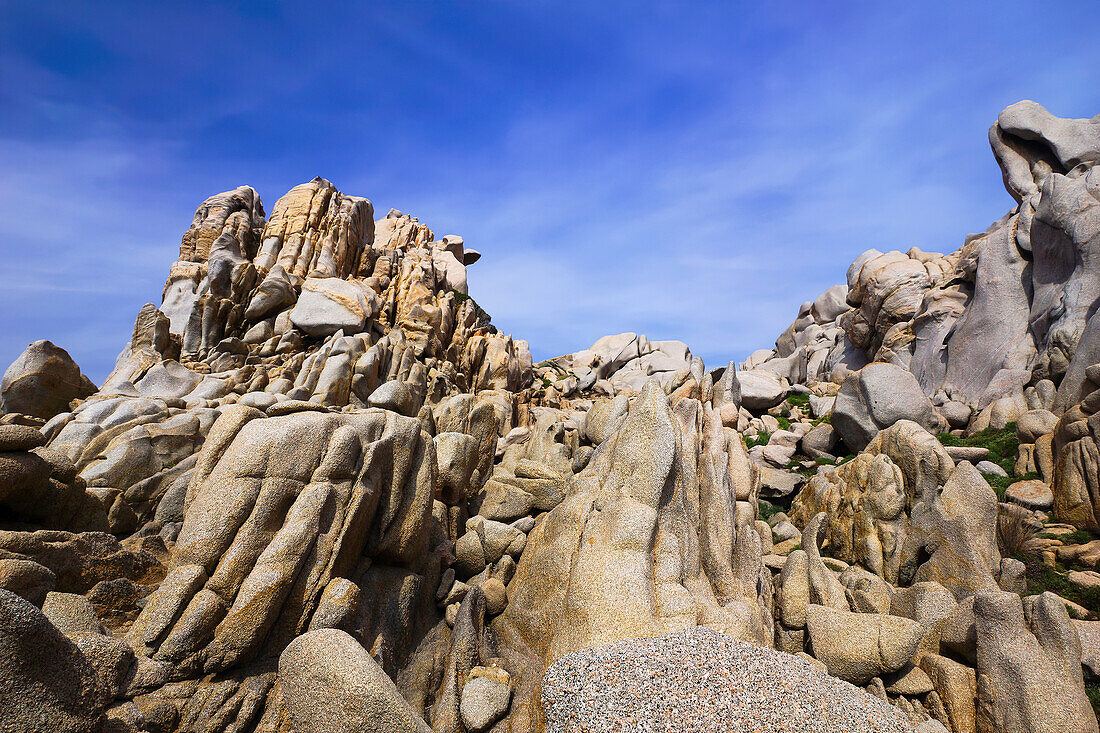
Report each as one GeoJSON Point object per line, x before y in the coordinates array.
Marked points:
{"type": "Point", "coordinates": [700, 680]}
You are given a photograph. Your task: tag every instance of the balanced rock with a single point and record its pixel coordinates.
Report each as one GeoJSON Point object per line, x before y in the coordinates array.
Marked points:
{"type": "Point", "coordinates": [42, 382]}
{"type": "Point", "coordinates": [876, 397]}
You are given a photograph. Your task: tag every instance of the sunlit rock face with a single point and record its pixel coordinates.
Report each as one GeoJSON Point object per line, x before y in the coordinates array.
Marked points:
{"type": "Point", "coordinates": [321, 491]}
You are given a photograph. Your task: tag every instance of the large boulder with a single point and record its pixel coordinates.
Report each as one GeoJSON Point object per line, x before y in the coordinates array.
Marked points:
{"type": "Point", "coordinates": [1076, 484]}
{"type": "Point", "coordinates": [42, 382]}
{"type": "Point", "coordinates": [953, 536]}
{"type": "Point", "coordinates": [1029, 666]}
{"type": "Point", "coordinates": [699, 679]}
{"type": "Point", "coordinates": [330, 304]}
{"type": "Point", "coordinates": [876, 397]}
{"type": "Point", "coordinates": [331, 684]}
{"type": "Point", "coordinates": [869, 499]}
{"type": "Point", "coordinates": [46, 683]}
{"type": "Point", "coordinates": [760, 389]}
{"type": "Point", "coordinates": [858, 646]}
{"type": "Point", "coordinates": [348, 484]}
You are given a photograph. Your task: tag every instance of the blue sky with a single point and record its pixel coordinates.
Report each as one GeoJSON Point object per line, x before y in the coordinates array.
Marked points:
{"type": "Point", "coordinates": [685, 170]}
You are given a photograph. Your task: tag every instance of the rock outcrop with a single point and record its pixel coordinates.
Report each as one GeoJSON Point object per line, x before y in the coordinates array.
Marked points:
{"type": "Point", "coordinates": [321, 491]}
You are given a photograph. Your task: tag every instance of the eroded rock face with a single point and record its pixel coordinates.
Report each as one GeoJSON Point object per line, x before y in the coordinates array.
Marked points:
{"type": "Point", "coordinates": [649, 541]}
{"type": "Point", "coordinates": [871, 498]}
{"type": "Point", "coordinates": [1076, 484]}
{"type": "Point", "coordinates": [1011, 307]}
{"type": "Point", "coordinates": [957, 532]}
{"type": "Point", "coordinates": [330, 684]}
{"type": "Point", "coordinates": [279, 508]}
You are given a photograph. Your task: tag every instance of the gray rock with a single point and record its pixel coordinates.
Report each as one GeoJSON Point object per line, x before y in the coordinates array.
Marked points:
{"type": "Point", "coordinates": [42, 382]}
{"type": "Point", "coordinates": [821, 406]}
{"type": "Point", "coordinates": [38, 663]}
{"type": "Point", "coordinates": [331, 684]}
{"type": "Point", "coordinates": [168, 380]}
{"type": "Point", "coordinates": [830, 305]}
{"type": "Point", "coordinates": [760, 390]}
{"type": "Point", "coordinates": [957, 414]}
{"type": "Point", "coordinates": [330, 304]}
{"type": "Point", "coordinates": [971, 453]}
{"type": "Point", "coordinates": [784, 531]}
{"type": "Point", "coordinates": [274, 294]}
{"type": "Point", "coordinates": [775, 482]}
{"type": "Point", "coordinates": [876, 397]}
{"type": "Point", "coordinates": [484, 702]}
{"type": "Point", "coordinates": [820, 442]}
{"type": "Point", "coordinates": [727, 390]}
{"type": "Point", "coordinates": [396, 396]}
{"type": "Point", "coordinates": [990, 468]}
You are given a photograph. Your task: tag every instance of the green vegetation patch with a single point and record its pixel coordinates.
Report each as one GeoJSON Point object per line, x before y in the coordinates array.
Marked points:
{"type": "Point", "coordinates": [1042, 578]}
{"type": "Point", "coordinates": [767, 509]}
{"type": "Point", "coordinates": [1002, 445]}
{"type": "Point", "coordinates": [798, 399]}
{"type": "Point", "coordinates": [761, 438]}
{"type": "Point", "coordinates": [1077, 537]}
{"type": "Point", "coordinates": [1092, 689]}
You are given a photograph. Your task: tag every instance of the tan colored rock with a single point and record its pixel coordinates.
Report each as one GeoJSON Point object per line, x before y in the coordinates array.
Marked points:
{"type": "Point", "coordinates": [1029, 666]}
{"type": "Point", "coordinates": [331, 684]}
{"type": "Point", "coordinates": [793, 594]}
{"type": "Point", "coordinates": [325, 511]}
{"type": "Point", "coordinates": [858, 646]}
{"type": "Point", "coordinates": [957, 688]}
{"type": "Point", "coordinates": [956, 531]}
{"type": "Point", "coordinates": [1085, 579]}
{"type": "Point", "coordinates": [496, 596]}
{"type": "Point", "coordinates": [1087, 554]}
{"type": "Point", "coordinates": [1032, 493]}
{"type": "Point", "coordinates": [869, 498]}
{"type": "Point", "coordinates": [42, 382]}
{"type": "Point", "coordinates": [641, 546]}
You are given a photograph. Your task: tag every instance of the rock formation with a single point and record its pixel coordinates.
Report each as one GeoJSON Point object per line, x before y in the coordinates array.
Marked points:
{"type": "Point", "coordinates": [321, 491]}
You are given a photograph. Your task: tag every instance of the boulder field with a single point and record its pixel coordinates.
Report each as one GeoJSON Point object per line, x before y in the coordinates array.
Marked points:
{"type": "Point", "coordinates": [321, 491]}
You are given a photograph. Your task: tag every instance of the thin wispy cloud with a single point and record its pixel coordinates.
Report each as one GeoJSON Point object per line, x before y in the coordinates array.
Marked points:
{"type": "Point", "coordinates": [690, 171]}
